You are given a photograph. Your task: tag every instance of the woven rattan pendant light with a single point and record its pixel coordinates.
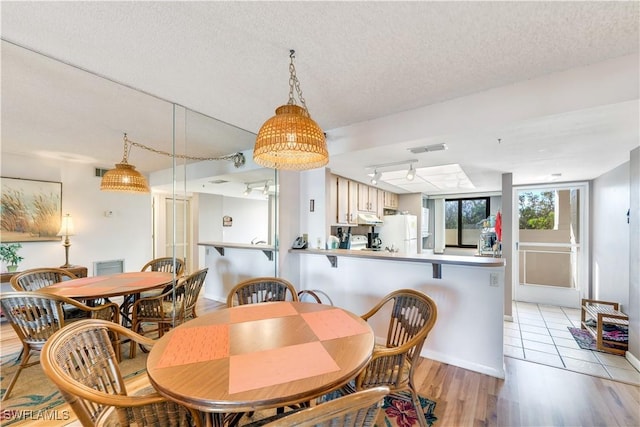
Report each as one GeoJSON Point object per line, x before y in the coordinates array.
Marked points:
{"type": "Point", "coordinates": [125, 177]}
{"type": "Point", "coordinates": [291, 140]}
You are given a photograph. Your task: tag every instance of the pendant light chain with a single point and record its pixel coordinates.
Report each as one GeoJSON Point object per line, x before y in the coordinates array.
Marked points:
{"type": "Point", "coordinates": [237, 158]}
{"type": "Point", "coordinates": [293, 81]}
{"type": "Point", "coordinates": [127, 149]}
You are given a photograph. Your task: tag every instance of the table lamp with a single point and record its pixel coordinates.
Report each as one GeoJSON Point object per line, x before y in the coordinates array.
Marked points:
{"type": "Point", "coordinates": [66, 230]}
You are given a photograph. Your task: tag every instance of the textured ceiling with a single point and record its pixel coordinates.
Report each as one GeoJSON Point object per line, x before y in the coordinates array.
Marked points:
{"type": "Point", "coordinates": [356, 61]}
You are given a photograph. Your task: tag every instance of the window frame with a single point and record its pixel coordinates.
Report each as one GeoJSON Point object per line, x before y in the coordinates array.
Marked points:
{"type": "Point", "coordinates": [460, 200]}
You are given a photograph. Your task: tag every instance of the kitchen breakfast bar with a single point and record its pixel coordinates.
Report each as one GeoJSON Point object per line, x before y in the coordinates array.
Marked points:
{"type": "Point", "coordinates": [468, 290]}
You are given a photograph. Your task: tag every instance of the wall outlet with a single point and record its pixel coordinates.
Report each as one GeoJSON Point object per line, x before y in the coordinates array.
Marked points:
{"type": "Point", "coordinates": [493, 279]}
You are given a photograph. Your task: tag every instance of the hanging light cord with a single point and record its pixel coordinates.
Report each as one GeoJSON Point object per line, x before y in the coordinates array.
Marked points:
{"type": "Point", "coordinates": [237, 158]}
{"type": "Point", "coordinates": [294, 82]}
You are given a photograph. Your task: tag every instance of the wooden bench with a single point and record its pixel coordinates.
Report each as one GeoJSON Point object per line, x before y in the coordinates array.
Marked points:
{"type": "Point", "coordinates": [602, 313]}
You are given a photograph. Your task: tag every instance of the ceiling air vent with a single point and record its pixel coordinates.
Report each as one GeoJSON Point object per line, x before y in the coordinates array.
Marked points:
{"type": "Point", "coordinates": [428, 148]}
{"type": "Point", "coordinates": [100, 172]}
{"type": "Point", "coordinates": [218, 181]}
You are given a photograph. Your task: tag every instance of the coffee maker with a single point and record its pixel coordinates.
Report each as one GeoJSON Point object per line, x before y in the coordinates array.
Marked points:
{"type": "Point", "coordinates": [373, 241]}
{"type": "Point", "coordinates": [344, 238]}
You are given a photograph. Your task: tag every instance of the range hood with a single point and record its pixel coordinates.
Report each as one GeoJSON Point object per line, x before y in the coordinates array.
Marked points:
{"type": "Point", "coordinates": [368, 219]}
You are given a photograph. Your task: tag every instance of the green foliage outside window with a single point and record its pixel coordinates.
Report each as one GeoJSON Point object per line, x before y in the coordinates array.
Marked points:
{"type": "Point", "coordinates": [537, 210]}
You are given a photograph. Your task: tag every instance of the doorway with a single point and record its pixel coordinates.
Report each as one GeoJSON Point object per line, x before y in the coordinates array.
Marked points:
{"type": "Point", "coordinates": [173, 229]}
{"type": "Point", "coordinates": [551, 242]}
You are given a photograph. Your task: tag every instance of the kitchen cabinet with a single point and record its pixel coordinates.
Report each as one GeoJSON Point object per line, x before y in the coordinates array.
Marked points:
{"type": "Point", "coordinates": [380, 209]}
{"type": "Point", "coordinates": [367, 198]}
{"type": "Point", "coordinates": [347, 198]}
{"type": "Point", "coordinates": [390, 200]}
{"type": "Point", "coordinates": [347, 201]}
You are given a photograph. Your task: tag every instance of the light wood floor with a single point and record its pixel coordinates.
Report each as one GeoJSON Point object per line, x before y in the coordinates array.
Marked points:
{"type": "Point", "coordinates": [530, 395]}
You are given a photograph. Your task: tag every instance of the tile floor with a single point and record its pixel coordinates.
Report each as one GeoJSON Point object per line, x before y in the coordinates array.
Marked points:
{"type": "Point", "coordinates": [539, 333]}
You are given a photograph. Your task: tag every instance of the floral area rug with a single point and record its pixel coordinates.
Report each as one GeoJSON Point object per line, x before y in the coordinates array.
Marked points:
{"type": "Point", "coordinates": [401, 412]}
{"type": "Point", "coordinates": [586, 341]}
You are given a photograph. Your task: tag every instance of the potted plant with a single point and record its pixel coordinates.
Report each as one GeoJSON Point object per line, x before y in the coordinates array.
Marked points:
{"type": "Point", "coordinates": [9, 254]}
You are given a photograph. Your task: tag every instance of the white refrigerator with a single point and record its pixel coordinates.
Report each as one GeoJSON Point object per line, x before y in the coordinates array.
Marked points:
{"type": "Point", "coordinates": [401, 232]}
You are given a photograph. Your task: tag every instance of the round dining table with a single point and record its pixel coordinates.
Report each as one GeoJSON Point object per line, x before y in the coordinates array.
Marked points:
{"type": "Point", "coordinates": [259, 356]}
{"type": "Point", "coordinates": [129, 285]}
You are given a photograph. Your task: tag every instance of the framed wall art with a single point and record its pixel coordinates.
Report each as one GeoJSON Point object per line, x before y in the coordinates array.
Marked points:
{"type": "Point", "coordinates": [30, 210]}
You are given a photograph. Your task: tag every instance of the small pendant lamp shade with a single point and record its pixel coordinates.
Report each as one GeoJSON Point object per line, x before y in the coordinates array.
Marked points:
{"type": "Point", "coordinates": [291, 140]}
{"type": "Point", "coordinates": [124, 178]}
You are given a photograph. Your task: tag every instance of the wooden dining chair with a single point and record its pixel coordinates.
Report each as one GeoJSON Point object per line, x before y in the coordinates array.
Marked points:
{"type": "Point", "coordinates": [171, 308]}
{"type": "Point", "coordinates": [166, 265]}
{"type": "Point", "coordinates": [314, 295]}
{"type": "Point", "coordinates": [360, 409]}
{"type": "Point", "coordinates": [36, 317]}
{"type": "Point", "coordinates": [413, 315]}
{"type": "Point", "coordinates": [37, 278]}
{"type": "Point", "coordinates": [82, 364]}
{"type": "Point", "coordinates": [261, 289]}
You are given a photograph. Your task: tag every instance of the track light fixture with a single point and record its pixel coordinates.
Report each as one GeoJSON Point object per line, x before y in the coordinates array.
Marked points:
{"type": "Point", "coordinates": [263, 185]}
{"type": "Point", "coordinates": [376, 177]}
{"type": "Point", "coordinates": [390, 167]}
{"type": "Point", "coordinates": [411, 173]}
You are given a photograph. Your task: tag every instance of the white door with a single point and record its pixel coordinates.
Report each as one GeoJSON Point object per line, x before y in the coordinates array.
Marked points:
{"type": "Point", "coordinates": [551, 242]}
{"type": "Point", "coordinates": [176, 227]}
{"type": "Point", "coordinates": [181, 241]}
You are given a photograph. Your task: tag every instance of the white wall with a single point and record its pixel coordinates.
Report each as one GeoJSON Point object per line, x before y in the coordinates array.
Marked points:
{"type": "Point", "coordinates": [610, 237]}
{"type": "Point", "coordinates": [209, 206]}
{"type": "Point", "coordinates": [250, 219]}
{"type": "Point", "coordinates": [125, 235]}
{"type": "Point", "coordinates": [468, 331]}
{"type": "Point", "coordinates": [312, 187]}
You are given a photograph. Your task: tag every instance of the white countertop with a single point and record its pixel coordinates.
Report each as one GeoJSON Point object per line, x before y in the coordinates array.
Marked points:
{"type": "Point", "coordinates": [474, 261]}
{"type": "Point", "coordinates": [238, 245]}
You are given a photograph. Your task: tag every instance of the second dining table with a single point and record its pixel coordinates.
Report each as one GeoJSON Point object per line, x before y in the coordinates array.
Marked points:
{"type": "Point", "coordinates": [259, 356]}
{"type": "Point", "coordinates": [129, 285]}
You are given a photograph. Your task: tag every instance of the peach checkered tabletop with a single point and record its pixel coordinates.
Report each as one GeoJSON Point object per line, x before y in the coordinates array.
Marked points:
{"type": "Point", "coordinates": [109, 286]}
{"type": "Point", "coordinates": [259, 356]}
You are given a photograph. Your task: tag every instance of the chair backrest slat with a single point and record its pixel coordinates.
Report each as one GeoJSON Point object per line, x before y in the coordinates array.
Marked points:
{"type": "Point", "coordinates": [359, 409]}
{"type": "Point", "coordinates": [261, 289]}
{"type": "Point", "coordinates": [38, 278]}
{"type": "Point", "coordinates": [166, 264]}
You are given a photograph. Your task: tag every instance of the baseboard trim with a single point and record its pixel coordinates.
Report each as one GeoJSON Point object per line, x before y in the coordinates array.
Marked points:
{"type": "Point", "coordinates": [497, 372]}
{"type": "Point", "coordinates": [635, 362]}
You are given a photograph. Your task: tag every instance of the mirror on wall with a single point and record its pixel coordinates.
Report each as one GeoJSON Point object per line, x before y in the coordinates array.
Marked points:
{"type": "Point", "coordinates": [212, 200]}
{"type": "Point", "coordinates": [65, 124]}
